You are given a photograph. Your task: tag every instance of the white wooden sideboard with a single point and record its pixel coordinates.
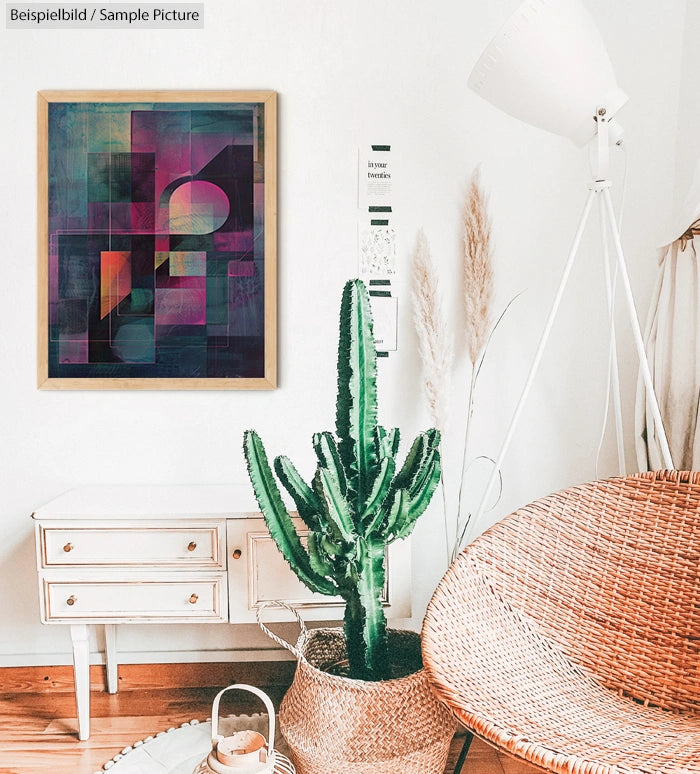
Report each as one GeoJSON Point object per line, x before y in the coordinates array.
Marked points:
{"type": "Point", "coordinates": [112, 555]}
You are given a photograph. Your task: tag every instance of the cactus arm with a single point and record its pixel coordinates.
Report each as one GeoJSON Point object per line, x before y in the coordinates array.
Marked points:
{"type": "Point", "coordinates": [328, 457]}
{"type": "Point", "coordinates": [387, 442]}
{"type": "Point", "coordinates": [356, 406]}
{"type": "Point", "coordinates": [321, 562]}
{"type": "Point", "coordinates": [337, 506]}
{"type": "Point", "coordinates": [276, 517]}
{"type": "Point", "coordinates": [412, 463]}
{"type": "Point", "coordinates": [421, 475]}
{"type": "Point", "coordinates": [422, 450]}
{"type": "Point", "coordinates": [419, 502]}
{"type": "Point", "coordinates": [380, 442]}
{"type": "Point", "coordinates": [373, 513]}
{"type": "Point", "coordinates": [394, 440]}
{"type": "Point", "coordinates": [397, 513]}
{"type": "Point", "coordinates": [422, 471]}
{"type": "Point", "coordinates": [328, 527]}
{"type": "Point", "coordinates": [380, 489]}
{"type": "Point", "coordinates": [305, 499]}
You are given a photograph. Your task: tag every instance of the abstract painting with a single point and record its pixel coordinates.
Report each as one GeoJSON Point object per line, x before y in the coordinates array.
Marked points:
{"type": "Point", "coordinates": [157, 240]}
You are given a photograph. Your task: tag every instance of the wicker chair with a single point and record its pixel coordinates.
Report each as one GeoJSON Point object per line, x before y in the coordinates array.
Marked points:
{"type": "Point", "coordinates": [568, 635]}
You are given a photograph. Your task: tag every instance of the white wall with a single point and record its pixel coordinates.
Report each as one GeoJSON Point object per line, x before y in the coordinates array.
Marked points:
{"type": "Point", "coordinates": [688, 148]}
{"type": "Point", "coordinates": [347, 74]}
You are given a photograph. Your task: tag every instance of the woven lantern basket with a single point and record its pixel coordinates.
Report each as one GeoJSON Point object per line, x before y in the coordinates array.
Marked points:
{"type": "Point", "coordinates": [336, 724]}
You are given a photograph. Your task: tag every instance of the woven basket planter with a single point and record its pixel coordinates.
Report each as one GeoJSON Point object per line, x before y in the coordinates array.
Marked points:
{"type": "Point", "coordinates": [335, 724]}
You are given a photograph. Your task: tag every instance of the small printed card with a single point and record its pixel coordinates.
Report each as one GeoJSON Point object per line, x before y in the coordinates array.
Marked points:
{"type": "Point", "coordinates": [377, 252]}
{"type": "Point", "coordinates": [385, 316]}
{"type": "Point", "coordinates": [375, 176]}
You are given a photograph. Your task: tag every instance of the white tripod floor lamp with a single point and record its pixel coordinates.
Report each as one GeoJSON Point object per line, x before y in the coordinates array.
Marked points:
{"type": "Point", "coordinates": [548, 67]}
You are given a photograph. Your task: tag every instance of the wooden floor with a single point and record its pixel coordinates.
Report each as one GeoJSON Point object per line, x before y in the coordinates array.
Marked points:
{"type": "Point", "coordinates": [38, 730]}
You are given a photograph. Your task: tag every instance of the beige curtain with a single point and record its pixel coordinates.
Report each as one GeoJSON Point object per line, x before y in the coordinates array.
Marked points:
{"type": "Point", "coordinates": [672, 340]}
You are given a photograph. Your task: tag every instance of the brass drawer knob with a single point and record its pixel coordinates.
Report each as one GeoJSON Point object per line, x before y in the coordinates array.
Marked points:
{"type": "Point", "coordinates": [193, 599]}
{"type": "Point", "coordinates": [72, 599]}
{"type": "Point", "coordinates": [237, 553]}
{"type": "Point", "coordinates": [192, 546]}
{"type": "Point", "coordinates": [68, 547]}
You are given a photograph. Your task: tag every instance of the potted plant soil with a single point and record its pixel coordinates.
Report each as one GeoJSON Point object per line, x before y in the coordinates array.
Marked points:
{"type": "Point", "coordinates": [379, 714]}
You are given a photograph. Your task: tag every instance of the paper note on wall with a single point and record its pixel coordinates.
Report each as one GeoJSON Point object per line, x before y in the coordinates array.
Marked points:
{"type": "Point", "coordinates": [375, 176]}
{"type": "Point", "coordinates": [385, 316]}
{"type": "Point", "coordinates": [377, 252]}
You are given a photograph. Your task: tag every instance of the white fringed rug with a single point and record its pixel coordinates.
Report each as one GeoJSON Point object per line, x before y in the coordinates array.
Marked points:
{"type": "Point", "coordinates": [179, 750]}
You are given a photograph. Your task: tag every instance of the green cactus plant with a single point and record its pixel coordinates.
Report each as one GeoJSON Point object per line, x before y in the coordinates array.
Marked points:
{"type": "Point", "coordinates": [358, 502]}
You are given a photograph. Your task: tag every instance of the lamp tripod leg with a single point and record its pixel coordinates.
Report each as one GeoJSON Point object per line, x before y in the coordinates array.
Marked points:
{"type": "Point", "coordinates": [537, 359]}
{"type": "Point", "coordinates": [636, 330]}
{"type": "Point", "coordinates": [614, 373]}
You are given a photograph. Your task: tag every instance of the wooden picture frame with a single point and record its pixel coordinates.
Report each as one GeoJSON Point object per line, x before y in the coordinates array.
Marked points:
{"type": "Point", "coordinates": [157, 240]}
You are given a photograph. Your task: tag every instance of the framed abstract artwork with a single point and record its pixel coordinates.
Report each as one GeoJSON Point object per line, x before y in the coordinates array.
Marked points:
{"type": "Point", "coordinates": [157, 240]}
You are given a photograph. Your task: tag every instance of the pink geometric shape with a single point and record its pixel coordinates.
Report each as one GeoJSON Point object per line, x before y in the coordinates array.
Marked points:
{"type": "Point", "coordinates": [241, 268]}
{"type": "Point", "coordinates": [197, 207]}
{"type": "Point", "coordinates": [191, 283]}
{"type": "Point", "coordinates": [181, 306]}
{"type": "Point", "coordinates": [235, 241]}
{"type": "Point", "coordinates": [143, 216]}
{"type": "Point", "coordinates": [120, 217]}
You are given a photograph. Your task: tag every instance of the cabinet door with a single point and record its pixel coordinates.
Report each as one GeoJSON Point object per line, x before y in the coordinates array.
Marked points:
{"type": "Point", "coordinates": [257, 572]}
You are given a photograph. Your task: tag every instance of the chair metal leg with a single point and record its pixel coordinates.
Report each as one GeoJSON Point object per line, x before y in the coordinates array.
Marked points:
{"type": "Point", "coordinates": [463, 753]}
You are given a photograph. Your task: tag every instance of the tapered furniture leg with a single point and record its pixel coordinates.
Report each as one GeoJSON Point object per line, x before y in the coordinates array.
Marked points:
{"type": "Point", "coordinates": [111, 664]}
{"type": "Point", "coordinates": [81, 676]}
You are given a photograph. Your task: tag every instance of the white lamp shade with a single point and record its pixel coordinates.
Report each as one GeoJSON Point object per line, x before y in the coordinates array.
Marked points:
{"type": "Point", "coordinates": [548, 67]}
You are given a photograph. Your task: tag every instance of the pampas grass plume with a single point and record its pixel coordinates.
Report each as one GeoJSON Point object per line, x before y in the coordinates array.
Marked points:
{"type": "Point", "coordinates": [434, 339]}
{"type": "Point", "coordinates": [477, 275]}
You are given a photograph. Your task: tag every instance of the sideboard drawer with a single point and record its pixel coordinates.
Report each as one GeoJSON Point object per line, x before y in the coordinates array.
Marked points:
{"type": "Point", "coordinates": [196, 598]}
{"type": "Point", "coordinates": [194, 546]}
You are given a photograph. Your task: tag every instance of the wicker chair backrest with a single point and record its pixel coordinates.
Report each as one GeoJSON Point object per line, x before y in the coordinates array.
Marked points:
{"type": "Point", "coordinates": [610, 571]}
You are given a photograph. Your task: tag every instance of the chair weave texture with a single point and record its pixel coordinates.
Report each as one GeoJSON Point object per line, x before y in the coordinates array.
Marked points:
{"type": "Point", "coordinates": [569, 633]}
